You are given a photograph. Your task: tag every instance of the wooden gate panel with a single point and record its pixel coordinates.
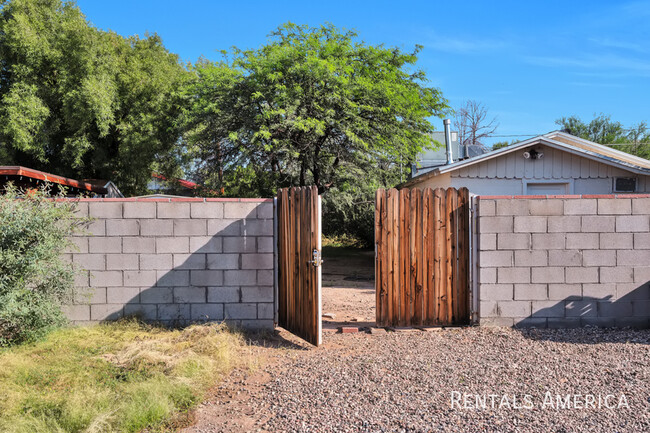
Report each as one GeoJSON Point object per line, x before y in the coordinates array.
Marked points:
{"type": "Point", "coordinates": [422, 257]}
{"type": "Point", "coordinates": [299, 285]}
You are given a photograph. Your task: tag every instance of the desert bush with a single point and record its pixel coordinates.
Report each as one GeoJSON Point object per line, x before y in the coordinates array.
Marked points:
{"type": "Point", "coordinates": [35, 280]}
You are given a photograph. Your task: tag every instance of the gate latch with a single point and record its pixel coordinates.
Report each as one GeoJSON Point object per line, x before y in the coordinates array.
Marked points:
{"type": "Point", "coordinates": [316, 258]}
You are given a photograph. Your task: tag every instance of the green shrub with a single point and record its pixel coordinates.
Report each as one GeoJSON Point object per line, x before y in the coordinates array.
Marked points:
{"type": "Point", "coordinates": [34, 278]}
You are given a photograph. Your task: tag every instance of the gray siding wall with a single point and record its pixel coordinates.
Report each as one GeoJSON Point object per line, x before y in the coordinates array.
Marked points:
{"type": "Point", "coordinates": [564, 262]}
{"type": "Point", "coordinates": [176, 261]}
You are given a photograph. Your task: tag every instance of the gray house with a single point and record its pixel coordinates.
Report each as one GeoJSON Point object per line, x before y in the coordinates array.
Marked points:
{"type": "Point", "coordinates": [555, 163]}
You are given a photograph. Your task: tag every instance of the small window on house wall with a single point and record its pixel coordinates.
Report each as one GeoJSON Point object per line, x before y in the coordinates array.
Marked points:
{"type": "Point", "coordinates": [624, 184]}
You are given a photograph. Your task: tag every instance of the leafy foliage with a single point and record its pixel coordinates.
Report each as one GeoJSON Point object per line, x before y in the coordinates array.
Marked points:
{"type": "Point", "coordinates": [82, 102]}
{"type": "Point", "coordinates": [34, 280]}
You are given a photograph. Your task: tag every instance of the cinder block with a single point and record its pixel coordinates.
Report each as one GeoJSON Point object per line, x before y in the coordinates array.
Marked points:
{"type": "Point", "coordinates": [530, 224]}
{"type": "Point", "coordinates": [487, 241]}
{"type": "Point", "coordinates": [76, 312]}
{"type": "Point", "coordinates": [633, 223]}
{"type": "Point", "coordinates": [599, 258]}
{"type": "Point", "coordinates": [632, 257]}
{"type": "Point", "coordinates": [633, 322]}
{"type": "Point", "coordinates": [207, 278]}
{"type": "Point", "coordinates": [487, 207]}
{"type": "Point", "coordinates": [81, 277]}
{"type": "Point", "coordinates": [157, 295]}
{"type": "Point", "coordinates": [90, 262]}
{"type": "Point", "coordinates": [564, 224]}
{"type": "Point", "coordinates": [496, 322]}
{"type": "Point", "coordinates": [582, 241]}
{"type": "Point", "coordinates": [531, 258]}
{"type": "Point", "coordinates": [642, 274]}
{"type": "Point", "coordinates": [616, 241]}
{"type": "Point", "coordinates": [258, 261]}
{"type": "Point", "coordinates": [224, 294]}
{"type": "Point", "coordinates": [105, 245]}
{"type": "Point", "coordinates": [224, 227]}
{"type": "Point", "coordinates": [548, 241]}
{"type": "Point", "coordinates": [257, 228]}
{"type": "Point", "coordinates": [265, 244]}
{"type": "Point", "coordinates": [239, 245]}
{"type": "Point", "coordinates": [496, 258]}
{"type": "Point", "coordinates": [173, 278]}
{"type": "Point", "coordinates": [488, 275]}
{"type": "Point", "coordinates": [174, 313]}
{"type": "Point", "coordinates": [138, 245]}
{"type": "Point", "coordinates": [530, 322]}
{"type": "Point", "coordinates": [257, 294]}
{"type": "Point", "coordinates": [513, 241]}
{"type": "Point", "coordinates": [615, 309]}
{"type": "Point", "coordinates": [565, 292]}
{"type": "Point", "coordinates": [546, 207]}
{"type": "Point", "coordinates": [206, 244]}
{"type": "Point", "coordinates": [599, 291]}
{"type": "Point", "coordinates": [548, 275]}
{"type": "Point", "coordinates": [123, 295]}
{"type": "Point", "coordinates": [106, 311]}
{"type": "Point", "coordinates": [177, 210]}
{"type": "Point", "coordinates": [489, 309]}
{"type": "Point", "coordinates": [632, 291]}
{"type": "Point", "coordinates": [81, 210]}
{"type": "Point", "coordinates": [90, 295]}
{"type": "Point", "coordinates": [513, 275]}
{"type": "Point", "coordinates": [157, 227]}
{"type": "Point", "coordinates": [598, 224]}
{"type": "Point", "coordinates": [616, 274]}
{"type": "Point", "coordinates": [512, 207]}
{"type": "Point", "coordinates": [207, 312]}
{"type": "Point", "coordinates": [122, 227]}
{"type": "Point", "coordinates": [514, 308]}
{"type": "Point", "coordinates": [106, 278]}
{"type": "Point", "coordinates": [580, 207]}
{"type": "Point", "coordinates": [189, 295]}
{"type": "Point", "coordinates": [641, 241]}
{"type": "Point", "coordinates": [78, 245]}
{"type": "Point", "coordinates": [614, 206]}
{"type": "Point", "coordinates": [599, 322]}
{"type": "Point", "coordinates": [265, 211]}
{"type": "Point", "coordinates": [580, 309]}
{"type": "Point", "coordinates": [531, 292]}
{"type": "Point", "coordinates": [582, 275]}
{"type": "Point", "coordinates": [154, 262]}
{"type": "Point", "coordinates": [206, 210]}
{"type": "Point", "coordinates": [565, 258]}
{"type": "Point", "coordinates": [547, 309]}
{"type": "Point", "coordinates": [265, 278]}
{"type": "Point", "coordinates": [497, 292]}
{"type": "Point", "coordinates": [641, 308]}
{"type": "Point", "coordinates": [265, 311]}
{"type": "Point", "coordinates": [563, 322]}
{"type": "Point", "coordinates": [223, 261]}
{"type": "Point", "coordinates": [239, 278]}
{"type": "Point", "coordinates": [641, 206]}
{"type": "Point", "coordinates": [240, 210]}
{"type": "Point", "coordinates": [142, 311]}
{"type": "Point", "coordinates": [140, 278]}
{"type": "Point", "coordinates": [189, 261]}
{"type": "Point", "coordinates": [172, 244]}
{"type": "Point", "coordinates": [240, 311]}
{"type": "Point", "coordinates": [95, 228]}
{"type": "Point", "coordinates": [196, 227]}
{"type": "Point", "coordinates": [121, 262]}
{"type": "Point", "coordinates": [139, 209]}
{"type": "Point", "coordinates": [500, 224]}
{"type": "Point", "coordinates": [105, 209]}
{"type": "Point", "coordinates": [258, 325]}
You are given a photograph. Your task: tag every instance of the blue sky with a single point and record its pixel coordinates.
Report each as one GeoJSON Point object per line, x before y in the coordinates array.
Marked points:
{"type": "Point", "coordinates": [529, 63]}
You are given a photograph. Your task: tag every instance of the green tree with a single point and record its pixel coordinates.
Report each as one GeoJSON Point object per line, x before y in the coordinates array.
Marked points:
{"type": "Point", "coordinates": [599, 130]}
{"type": "Point", "coordinates": [310, 106]}
{"type": "Point", "coordinates": [81, 102]}
{"type": "Point", "coordinates": [502, 144]}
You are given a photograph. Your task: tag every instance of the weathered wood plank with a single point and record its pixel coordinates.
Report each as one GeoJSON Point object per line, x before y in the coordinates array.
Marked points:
{"type": "Point", "coordinates": [452, 263]}
{"type": "Point", "coordinates": [405, 266]}
{"type": "Point", "coordinates": [463, 253]}
{"type": "Point", "coordinates": [440, 257]}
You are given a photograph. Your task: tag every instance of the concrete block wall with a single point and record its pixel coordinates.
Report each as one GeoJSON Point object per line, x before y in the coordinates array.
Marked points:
{"type": "Point", "coordinates": [564, 261]}
{"type": "Point", "coordinates": [176, 261]}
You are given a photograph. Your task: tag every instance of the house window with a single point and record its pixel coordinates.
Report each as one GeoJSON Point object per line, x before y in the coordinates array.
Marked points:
{"type": "Point", "coordinates": [544, 188]}
{"type": "Point", "coordinates": [624, 184]}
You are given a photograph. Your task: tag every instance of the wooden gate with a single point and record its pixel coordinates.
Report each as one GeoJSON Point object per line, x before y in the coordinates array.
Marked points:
{"type": "Point", "coordinates": [299, 263]}
{"type": "Point", "coordinates": [422, 257]}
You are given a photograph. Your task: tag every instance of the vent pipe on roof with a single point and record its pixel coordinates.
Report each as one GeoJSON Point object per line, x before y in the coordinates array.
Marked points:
{"type": "Point", "coordinates": [450, 157]}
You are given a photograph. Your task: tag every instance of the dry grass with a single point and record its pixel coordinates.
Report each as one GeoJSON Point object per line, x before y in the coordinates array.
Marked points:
{"type": "Point", "coordinates": [122, 377]}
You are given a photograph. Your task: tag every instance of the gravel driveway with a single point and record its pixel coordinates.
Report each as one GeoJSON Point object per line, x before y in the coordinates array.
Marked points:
{"type": "Point", "coordinates": [403, 381]}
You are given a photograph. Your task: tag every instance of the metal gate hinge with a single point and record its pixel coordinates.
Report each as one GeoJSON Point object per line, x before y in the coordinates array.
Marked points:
{"type": "Point", "coordinates": [316, 258]}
